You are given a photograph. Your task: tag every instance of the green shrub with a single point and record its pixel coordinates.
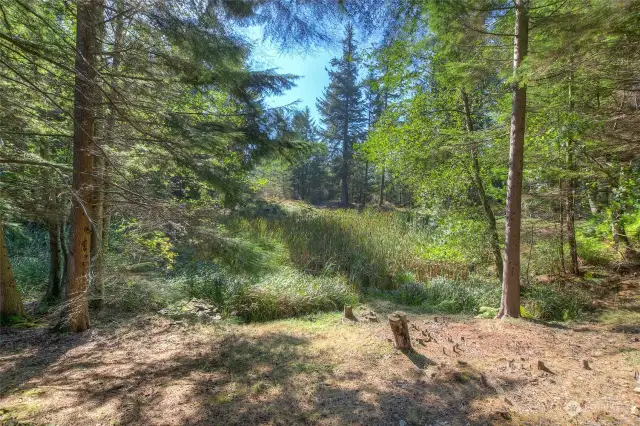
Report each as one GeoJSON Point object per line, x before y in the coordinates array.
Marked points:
{"type": "Point", "coordinates": [594, 250]}
{"type": "Point", "coordinates": [32, 274]}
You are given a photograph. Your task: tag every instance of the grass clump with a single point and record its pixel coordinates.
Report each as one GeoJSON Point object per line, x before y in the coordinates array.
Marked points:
{"type": "Point", "coordinates": [447, 296]}
{"type": "Point", "coordinates": [552, 303]}
{"type": "Point", "coordinates": [289, 294]}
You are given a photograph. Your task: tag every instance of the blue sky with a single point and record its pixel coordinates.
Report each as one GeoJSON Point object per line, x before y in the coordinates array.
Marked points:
{"type": "Point", "coordinates": [309, 66]}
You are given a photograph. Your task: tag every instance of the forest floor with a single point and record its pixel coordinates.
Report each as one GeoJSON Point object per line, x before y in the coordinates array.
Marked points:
{"type": "Point", "coordinates": [322, 369]}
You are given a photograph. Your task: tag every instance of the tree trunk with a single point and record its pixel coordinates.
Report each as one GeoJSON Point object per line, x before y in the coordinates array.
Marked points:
{"type": "Point", "coordinates": [10, 300]}
{"type": "Point", "coordinates": [381, 197]}
{"type": "Point", "coordinates": [88, 20]}
{"type": "Point", "coordinates": [348, 312]}
{"type": "Point", "coordinates": [64, 250]}
{"type": "Point", "coordinates": [400, 330]}
{"type": "Point", "coordinates": [344, 195]}
{"type": "Point", "coordinates": [54, 289]}
{"type": "Point", "coordinates": [561, 248]}
{"type": "Point", "coordinates": [363, 187]}
{"type": "Point", "coordinates": [592, 194]}
{"type": "Point", "coordinates": [510, 303]}
{"type": "Point", "coordinates": [479, 185]}
{"type": "Point", "coordinates": [571, 195]}
{"type": "Point", "coordinates": [571, 231]}
{"type": "Point", "coordinates": [618, 230]}
{"type": "Point", "coordinates": [109, 139]}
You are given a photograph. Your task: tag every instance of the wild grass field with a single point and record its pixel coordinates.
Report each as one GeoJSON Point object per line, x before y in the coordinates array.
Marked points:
{"type": "Point", "coordinates": [278, 260]}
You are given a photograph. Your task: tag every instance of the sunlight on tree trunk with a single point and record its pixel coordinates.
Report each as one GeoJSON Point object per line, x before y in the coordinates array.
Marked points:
{"type": "Point", "coordinates": [77, 310]}
{"type": "Point", "coordinates": [571, 192]}
{"type": "Point", "coordinates": [510, 303]}
{"type": "Point", "coordinates": [10, 300]}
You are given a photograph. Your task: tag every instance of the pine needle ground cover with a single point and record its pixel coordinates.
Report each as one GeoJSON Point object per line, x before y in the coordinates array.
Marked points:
{"type": "Point", "coordinates": [318, 370]}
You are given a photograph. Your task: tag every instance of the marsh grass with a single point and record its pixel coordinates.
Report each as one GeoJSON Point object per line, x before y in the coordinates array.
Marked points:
{"type": "Point", "coordinates": [373, 249]}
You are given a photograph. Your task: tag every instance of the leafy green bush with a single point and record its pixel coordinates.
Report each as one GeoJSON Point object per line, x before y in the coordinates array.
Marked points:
{"type": "Point", "coordinates": [594, 250]}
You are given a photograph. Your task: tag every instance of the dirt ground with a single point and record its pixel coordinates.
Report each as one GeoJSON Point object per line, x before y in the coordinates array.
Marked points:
{"type": "Point", "coordinates": [321, 370]}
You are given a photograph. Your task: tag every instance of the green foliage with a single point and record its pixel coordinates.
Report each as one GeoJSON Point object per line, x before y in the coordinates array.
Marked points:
{"type": "Point", "coordinates": [205, 280]}
{"type": "Point", "coordinates": [142, 245]}
{"type": "Point", "coordinates": [374, 249]}
{"type": "Point", "coordinates": [487, 312]}
{"type": "Point", "coordinates": [447, 296]}
{"type": "Point", "coordinates": [291, 293]}
{"type": "Point", "coordinates": [594, 250]}
{"type": "Point", "coordinates": [28, 252]}
{"type": "Point", "coordinates": [138, 293]}
{"type": "Point", "coordinates": [554, 303]}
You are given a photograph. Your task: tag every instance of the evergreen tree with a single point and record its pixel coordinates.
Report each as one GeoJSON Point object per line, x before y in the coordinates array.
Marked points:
{"type": "Point", "coordinates": [342, 110]}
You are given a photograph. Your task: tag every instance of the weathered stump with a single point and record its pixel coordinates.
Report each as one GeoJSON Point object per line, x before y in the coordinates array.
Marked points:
{"type": "Point", "coordinates": [400, 329]}
{"type": "Point", "coordinates": [348, 312]}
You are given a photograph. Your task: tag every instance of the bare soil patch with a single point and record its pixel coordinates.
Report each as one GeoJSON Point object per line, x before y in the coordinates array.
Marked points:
{"type": "Point", "coordinates": [320, 370]}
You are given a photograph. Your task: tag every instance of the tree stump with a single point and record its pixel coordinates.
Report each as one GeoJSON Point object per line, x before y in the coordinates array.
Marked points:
{"type": "Point", "coordinates": [400, 329]}
{"type": "Point", "coordinates": [348, 312]}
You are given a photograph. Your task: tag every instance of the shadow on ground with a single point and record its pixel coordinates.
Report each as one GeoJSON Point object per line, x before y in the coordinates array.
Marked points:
{"type": "Point", "coordinates": [180, 376]}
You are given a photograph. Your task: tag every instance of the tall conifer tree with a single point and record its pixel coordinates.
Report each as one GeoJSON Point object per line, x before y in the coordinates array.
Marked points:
{"type": "Point", "coordinates": [341, 109]}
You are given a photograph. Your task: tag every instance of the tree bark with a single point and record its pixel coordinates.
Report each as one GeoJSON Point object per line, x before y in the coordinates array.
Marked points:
{"type": "Point", "coordinates": [344, 195]}
{"type": "Point", "coordinates": [381, 197]}
{"type": "Point", "coordinates": [479, 185]}
{"type": "Point", "coordinates": [561, 248]}
{"type": "Point", "coordinates": [10, 300]}
{"type": "Point", "coordinates": [510, 303]}
{"type": "Point", "coordinates": [88, 20]}
{"type": "Point", "coordinates": [571, 194]}
{"type": "Point", "coordinates": [64, 250]}
{"type": "Point", "coordinates": [400, 330]}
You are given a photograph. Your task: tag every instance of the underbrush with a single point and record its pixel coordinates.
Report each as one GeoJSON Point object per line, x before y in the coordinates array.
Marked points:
{"type": "Point", "coordinates": [28, 250]}
{"type": "Point", "coordinates": [278, 293]}
{"type": "Point", "coordinates": [373, 249]}
{"type": "Point", "coordinates": [555, 302]}
{"type": "Point", "coordinates": [544, 302]}
{"type": "Point", "coordinates": [276, 261]}
{"type": "Point", "coordinates": [446, 296]}
{"type": "Point", "coordinates": [289, 294]}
